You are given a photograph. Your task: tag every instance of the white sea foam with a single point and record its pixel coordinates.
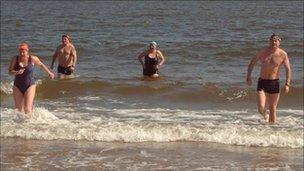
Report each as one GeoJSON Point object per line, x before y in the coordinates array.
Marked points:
{"type": "Point", "coordinates": [293, 112]}
{"type": "Point", "coordinates": [7, 87]}
{"type": "Point", "coordinates": [158, 125]}
{"type": "Point", "coordinates": [89, 98]}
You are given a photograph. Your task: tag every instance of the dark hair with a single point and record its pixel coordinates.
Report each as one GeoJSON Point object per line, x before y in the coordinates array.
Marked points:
{"type": "Point", "coordinates": [67, 36]}
{"type": "Point", "coordinates": [274, 36]}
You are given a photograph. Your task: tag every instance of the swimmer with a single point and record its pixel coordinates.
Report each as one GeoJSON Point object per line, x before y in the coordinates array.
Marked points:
{"type": "Point", "coordinates": [271, 59]}
{"type": "Point", "coordinates": [153, 60]}
{"type": "Point", "coordinates": [24, 89]}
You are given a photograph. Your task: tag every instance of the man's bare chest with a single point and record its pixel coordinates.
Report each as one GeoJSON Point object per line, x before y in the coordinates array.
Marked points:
{"type": "Point", "coordinates": [272, 59]}
{"type": "Point", "coordinates": [64, 51]}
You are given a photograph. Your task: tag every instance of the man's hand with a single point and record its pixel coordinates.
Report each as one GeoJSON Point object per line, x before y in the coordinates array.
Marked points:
{"type": "Point", "coordinates": [286, 88]}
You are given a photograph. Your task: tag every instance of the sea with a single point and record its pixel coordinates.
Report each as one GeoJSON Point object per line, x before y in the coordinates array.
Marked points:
{"type": "Point", "coordinates": [198, 115]}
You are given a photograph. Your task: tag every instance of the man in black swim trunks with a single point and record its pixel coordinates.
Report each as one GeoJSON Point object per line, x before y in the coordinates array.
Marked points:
{"type": "Point", "coordinates": [67, 58]}
{"type": "Point", "coordinates": [271, 58]}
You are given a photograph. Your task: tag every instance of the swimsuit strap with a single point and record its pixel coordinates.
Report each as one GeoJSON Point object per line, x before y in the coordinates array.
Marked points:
{"type": "Point", "coordinates": [30, 63]}
{"type": "Point", "coordinates": [30, 60]}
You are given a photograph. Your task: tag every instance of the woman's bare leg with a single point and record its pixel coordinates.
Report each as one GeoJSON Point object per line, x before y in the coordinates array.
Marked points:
{"type": "Point", "coordinates": [29, 96]}
{"type": "Point", "coordinates": [19, 99]}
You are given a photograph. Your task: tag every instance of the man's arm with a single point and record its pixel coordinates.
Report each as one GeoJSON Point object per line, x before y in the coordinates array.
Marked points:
{"type": "Point", "coordinates": [288, 73]}
{"type": "Point", "coordinates": [74, 56]}
{"type": "Point", "coordinates": [54, 57]}
{"type": "Point", "coordinates": [251, 65]}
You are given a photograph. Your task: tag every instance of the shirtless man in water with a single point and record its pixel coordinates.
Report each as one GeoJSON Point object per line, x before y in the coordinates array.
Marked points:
{"type": "Point", "coordinates": [271, 58]}
{"type": "Point", "coordinates": [67, 58]}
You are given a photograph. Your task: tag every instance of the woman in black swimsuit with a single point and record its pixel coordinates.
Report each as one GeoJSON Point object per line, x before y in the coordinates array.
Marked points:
{"type": "Point", "coordinates": [153, 59]}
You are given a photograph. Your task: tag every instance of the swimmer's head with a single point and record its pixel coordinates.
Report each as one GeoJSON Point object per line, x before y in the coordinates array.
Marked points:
{"type": "Point", "coordinates": [153, 45]}
{"type": "Point", "coordinates": [66, 38]}
{"type": "Point", "coordinates": [274, 41]}
{"type": "Point", "coordinates": [23, 49]}
{"type": "Point", "coordinates": [23, 46]}
{"type": "Point", "coordinates": [275, 37]}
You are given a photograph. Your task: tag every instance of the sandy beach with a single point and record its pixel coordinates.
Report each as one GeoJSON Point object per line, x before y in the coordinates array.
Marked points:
{"type": "Point", "coordinates": [20, 154]}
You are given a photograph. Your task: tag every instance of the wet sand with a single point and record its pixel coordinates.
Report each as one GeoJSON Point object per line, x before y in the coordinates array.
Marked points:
{"type": "Point", "coordinates": [21, 154]}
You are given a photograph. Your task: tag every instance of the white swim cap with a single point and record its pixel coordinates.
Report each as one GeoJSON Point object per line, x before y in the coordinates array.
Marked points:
{"type": "Point", "coordinates": [153, 43]}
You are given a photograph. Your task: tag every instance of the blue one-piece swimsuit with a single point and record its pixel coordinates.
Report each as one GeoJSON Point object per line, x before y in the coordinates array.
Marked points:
{"type": "Point", "coordinates": [26, 79]}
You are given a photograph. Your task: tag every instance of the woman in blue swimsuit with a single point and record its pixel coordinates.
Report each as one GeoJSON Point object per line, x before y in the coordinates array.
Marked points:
{"type": "Point", "coordinates": [22, 66]}
{"type": "Point", "coordinates": [153, 59]}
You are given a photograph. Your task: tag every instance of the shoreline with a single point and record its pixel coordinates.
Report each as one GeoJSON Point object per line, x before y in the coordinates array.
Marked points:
{"type": "Point", "coordinates": [19, 154]}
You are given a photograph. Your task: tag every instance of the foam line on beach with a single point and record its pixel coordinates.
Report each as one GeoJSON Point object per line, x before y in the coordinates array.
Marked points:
{"type": "Point", "coordinates": [131, 128]}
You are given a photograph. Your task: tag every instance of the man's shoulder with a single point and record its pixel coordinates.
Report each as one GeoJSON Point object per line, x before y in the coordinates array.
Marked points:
{"type": "Point", "coordinates": [281, 51]}
{"type": "Point", "coordinates": [262, 51]}
{"type": "Point", "coordinates": [71, 45]}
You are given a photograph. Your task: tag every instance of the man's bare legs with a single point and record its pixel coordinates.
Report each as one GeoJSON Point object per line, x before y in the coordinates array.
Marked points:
{"type": "Point", "coordinates": [273, 103]}
{"type": "Point", "coordinates": [63, 76]}
{"type": "Point", "coordinates": [155, 76]}
{"type": "Point", "coordinates": [261, 104]}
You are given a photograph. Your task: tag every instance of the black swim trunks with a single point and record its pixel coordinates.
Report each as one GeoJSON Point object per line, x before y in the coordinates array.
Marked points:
{"type": "Point", "coordinates": [64, 70]}
{"type": "Point", "coordinates": [269, 86]}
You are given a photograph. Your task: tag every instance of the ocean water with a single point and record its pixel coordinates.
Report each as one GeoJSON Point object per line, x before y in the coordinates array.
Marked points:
{"type": "Point", "coordinates": [201, 96]}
